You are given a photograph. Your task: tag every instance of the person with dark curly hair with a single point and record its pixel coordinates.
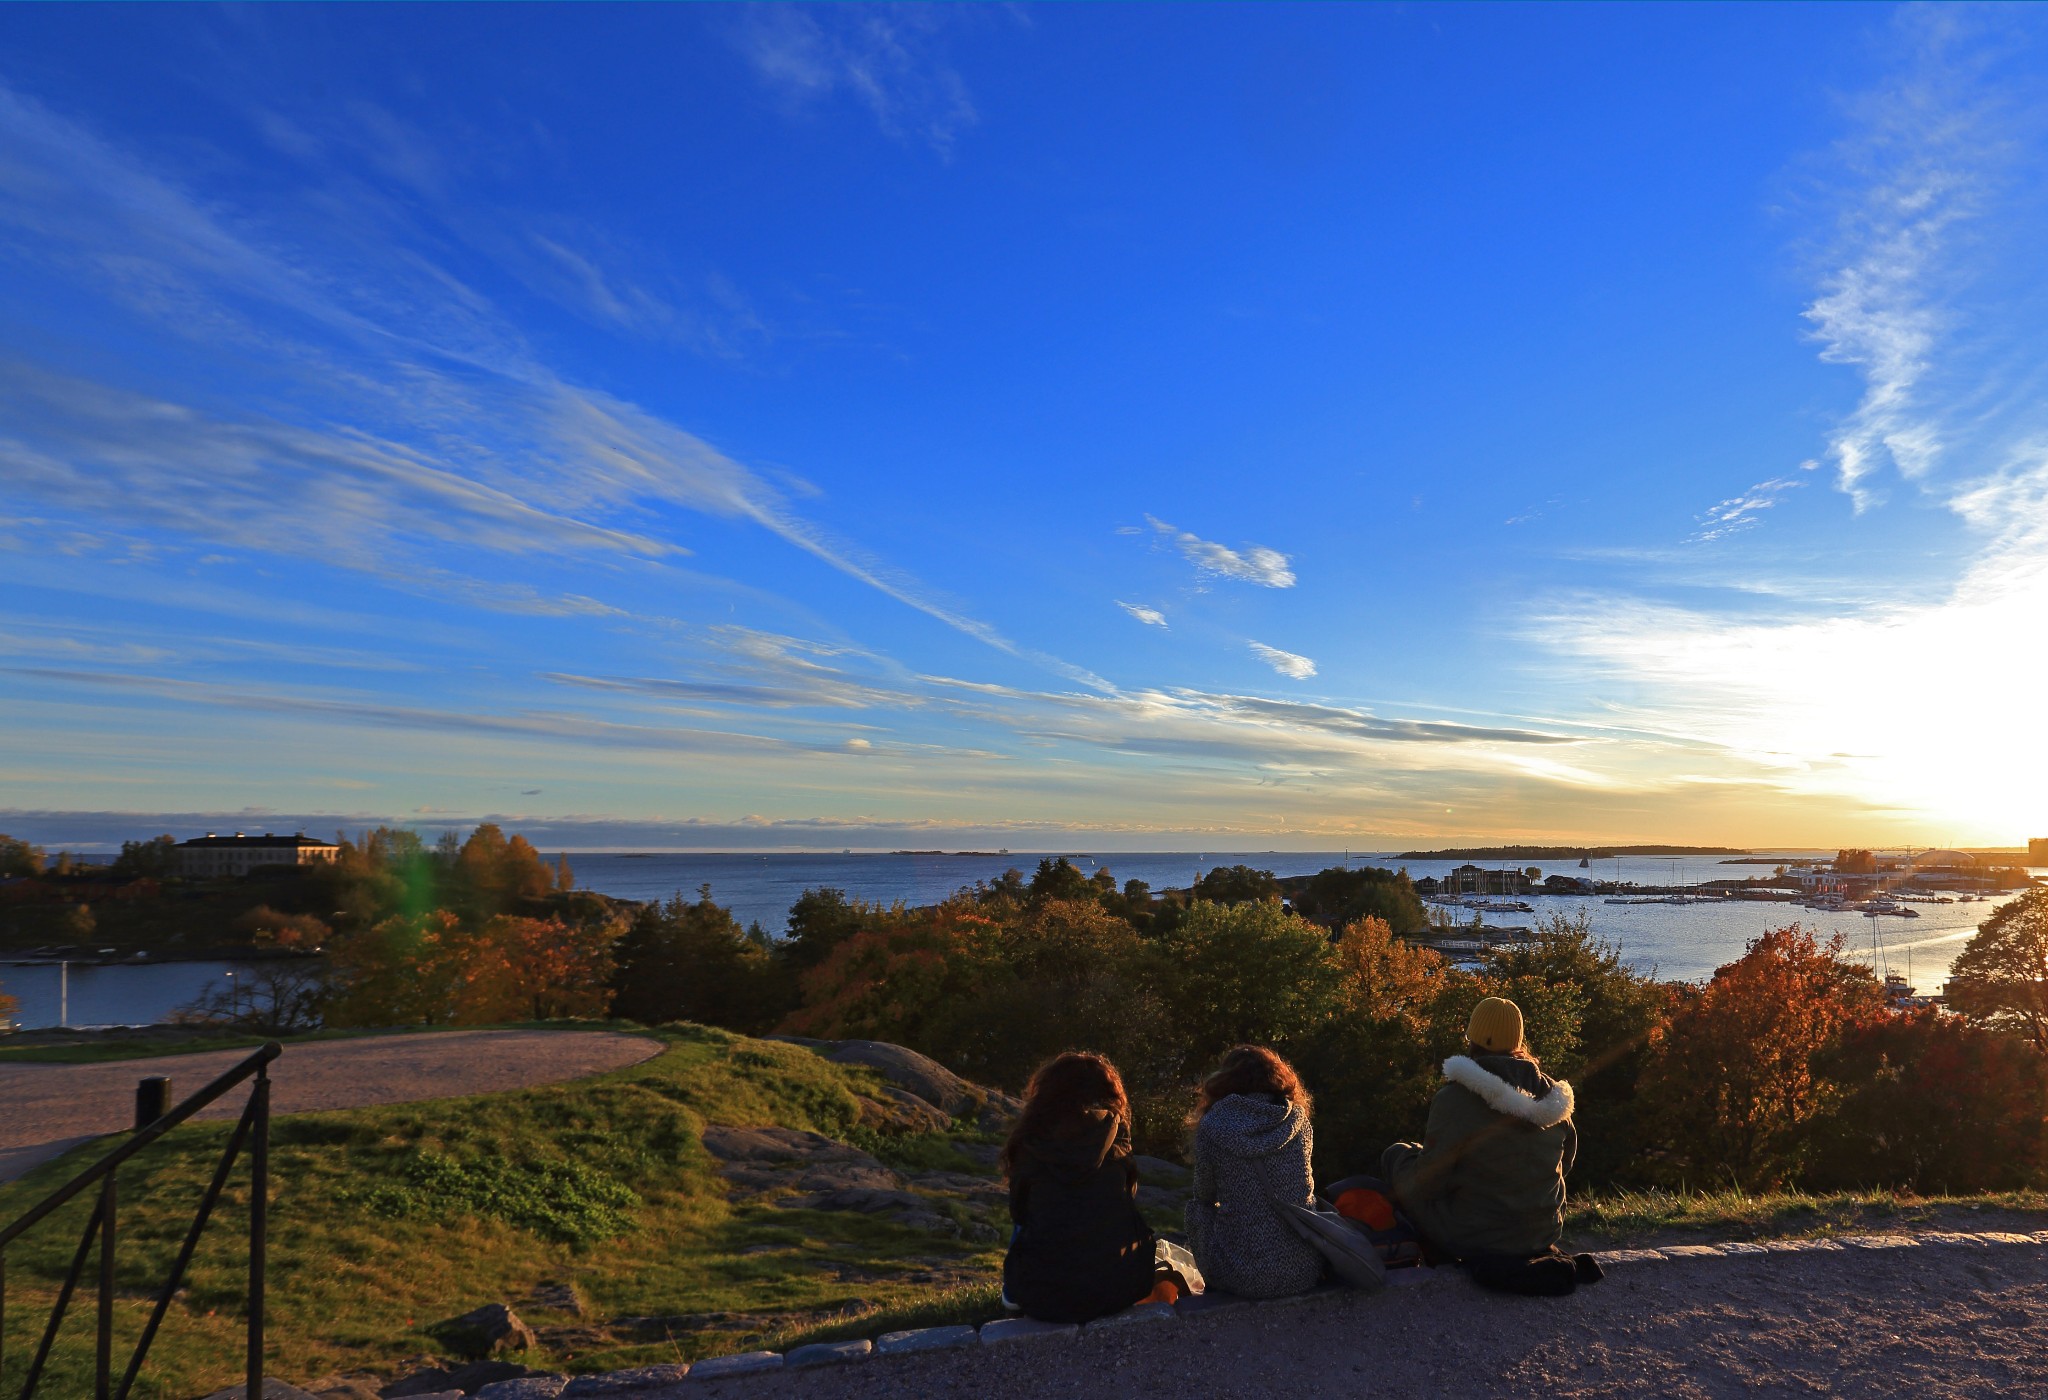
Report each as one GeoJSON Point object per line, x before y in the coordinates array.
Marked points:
{"type": "Point", "coordinates": [1081, 1250]}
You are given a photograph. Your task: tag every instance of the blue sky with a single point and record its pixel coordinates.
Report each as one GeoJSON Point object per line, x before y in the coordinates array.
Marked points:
{"type": "Point", "coordinates": [1184, 426]}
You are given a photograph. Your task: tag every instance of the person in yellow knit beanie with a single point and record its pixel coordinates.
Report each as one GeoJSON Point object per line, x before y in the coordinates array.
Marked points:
{"type": "Point", "coordinates": [1487, 1179]}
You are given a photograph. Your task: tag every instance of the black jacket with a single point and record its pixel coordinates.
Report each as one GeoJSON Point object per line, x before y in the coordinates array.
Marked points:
{"type": "Point", "coordinates": [1081, 1250]}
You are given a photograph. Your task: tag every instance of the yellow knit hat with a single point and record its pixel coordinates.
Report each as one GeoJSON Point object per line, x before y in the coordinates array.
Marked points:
{"type": "Point", "coordinates": [1496, 1026]}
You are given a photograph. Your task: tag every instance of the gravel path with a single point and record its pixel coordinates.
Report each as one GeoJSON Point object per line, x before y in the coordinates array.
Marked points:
{"type": "Point", "coordinates": [1933, 1322]}
{"type": "Point", "coordinates": [45, 1109]}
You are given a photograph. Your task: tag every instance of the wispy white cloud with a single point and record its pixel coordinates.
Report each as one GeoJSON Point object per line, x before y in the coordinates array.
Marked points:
{"type": "Point", "coordinates": [482, 448]}
{"type": "Point", "coordinates": [1151, 617]}
{"type": "Point", "coordinates": [1739, 512]}
{"type": "Point", "coordinates": [1287, 663]}
{"type": "Point", "coordinates": [1918, 165]}
{"type": "Point", "coordinates": [1252, 563]}
{"type": "Point", "coordinates": [890, 59]}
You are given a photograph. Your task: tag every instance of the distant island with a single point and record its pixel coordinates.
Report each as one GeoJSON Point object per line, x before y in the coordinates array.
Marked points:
{"type": "Point", "coordinates": [1566, 852]}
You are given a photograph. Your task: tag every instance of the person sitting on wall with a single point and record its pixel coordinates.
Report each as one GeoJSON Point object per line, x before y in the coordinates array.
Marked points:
{"type": "Point", "coordinates": [1081, 1250]}
{"type": "Point", "coordinates": [1252, 1149]}
{"type": "Point", "coordinates": [1487, 1180]}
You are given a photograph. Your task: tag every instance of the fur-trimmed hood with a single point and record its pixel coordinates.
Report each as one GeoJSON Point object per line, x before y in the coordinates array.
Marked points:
{"type": "Point", "coordinates": [1547, 1111]}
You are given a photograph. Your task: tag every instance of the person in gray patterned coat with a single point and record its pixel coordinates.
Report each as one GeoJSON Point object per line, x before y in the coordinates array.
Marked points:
{"type": "Point", "coordinates": [1252, 1147]}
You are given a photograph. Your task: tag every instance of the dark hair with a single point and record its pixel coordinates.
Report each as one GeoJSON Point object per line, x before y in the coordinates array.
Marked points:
{"type": "Point", "coordinates": [1520, 1052]}
{"type": "Point", "coordinates": [1065, 1087]}
{"type": "Point", "coordinates": [1252, 1069]}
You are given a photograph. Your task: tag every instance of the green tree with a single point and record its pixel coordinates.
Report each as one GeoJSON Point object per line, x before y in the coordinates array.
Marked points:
{"type": "Point", "coordinates": [2001, 976]}
{"type": "Point", "coordinates": [1236, 884]}
{"type": "Point", "coordinates": [1592, 1019]}
{"type": "Point", "coordinates": [1247, 973]}
{"type": "Point", "coordinates": [154, 859]}
{"type": "Point", "coordinates": [1059, 878]}
{"type": "Point", "coordinates": [822, 919]}
{"type": "Point", "coordinates": [684, 961]}
{"type": "Point", "coordinates": [1340, 896]}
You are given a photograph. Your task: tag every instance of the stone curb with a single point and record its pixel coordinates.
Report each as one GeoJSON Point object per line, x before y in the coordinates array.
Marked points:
{"type": "Point", "coordinates": [1004, 1331]}
{"type": "Point", "coordinates": [923, 1339]}
{"type": "Point", "coordinates": [743, 1363]}
{"type": "Point", "coordinates": [824, 1353]}
{"type": "Point", "coordinates": [1020, 1329]}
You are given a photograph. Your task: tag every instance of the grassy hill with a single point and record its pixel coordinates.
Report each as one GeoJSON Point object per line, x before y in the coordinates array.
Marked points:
{"type": "Point", "coordinates": [387, 1220]}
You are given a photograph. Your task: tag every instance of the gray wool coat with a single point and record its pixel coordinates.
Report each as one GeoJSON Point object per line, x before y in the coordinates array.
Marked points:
{"type": "Point", "coordinates": [1251, 1154]}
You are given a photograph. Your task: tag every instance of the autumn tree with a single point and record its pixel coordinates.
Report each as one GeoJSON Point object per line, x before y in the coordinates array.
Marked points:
{"type": "Point", "coordinates": [18, 858]}
{"type": "Point", "coordinates": [401, 971]}
{"type": "Point", "coordinates": [268, 927]}
{"type": "Point", "coordinates": [1734, 1083]}
{"type": "Point", "coordinates": [497, 871]}
{"type": "Point", "coordinates": [2001, 976]}
{"type": "Point", "coordinates": [1371, 1061]}
{"type": "Point", "coordinates": [515, 969]}
{"type": "Point", "coordinates": [1934, 1104]}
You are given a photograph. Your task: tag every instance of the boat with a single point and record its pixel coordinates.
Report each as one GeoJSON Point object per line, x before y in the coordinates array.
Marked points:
{"type": "Point", "coordinates": [1585, 864]}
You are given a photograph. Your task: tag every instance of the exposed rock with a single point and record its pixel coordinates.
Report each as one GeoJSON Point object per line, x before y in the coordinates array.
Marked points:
{"type": "Point", "coordinates": [557, 1297]}
{"type": "Point", "coordinates": [639, 1378]}
{"type": "Point", "coordinates": [436, 1379]}
{"type": "Point", "coordinates": [985, 1190]}
{"type": "Point", "coordinates": [922, 1076]}
{"type": "Point", "coordinates": [900, 1206]}
{"type": "Point", "coordinates": [901, 1111]}
{"type": "Point", "coordinates": [1163, 1172]}
{"type": "Point", "coordinates": [1160, 1197]}
{"type": "Point", "coordinates": [541, 1387]}
{"type": "Point", "coordinates": [487, 1330]}
{"type": "Point", "coordinates": [273, 1389]}
{"type": "Point", "coordinates": [769, 1159]}
{"type": "Point", "coordinates": [344, 1388]}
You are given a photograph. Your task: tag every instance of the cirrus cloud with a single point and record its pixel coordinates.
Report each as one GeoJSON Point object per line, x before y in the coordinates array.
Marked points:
{"type": "Point", "coordinates": [1287, 663]}
{"type": "Point", "coordinates": [1254, 563]}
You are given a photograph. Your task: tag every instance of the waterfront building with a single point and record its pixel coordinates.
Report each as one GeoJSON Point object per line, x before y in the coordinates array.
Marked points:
{"type": "Point", "coordinates": [2037, 851]}
{"type": "Point", "coordinates": [212, 857]}
{"type": "Point", "coordinates": [1470, 879]}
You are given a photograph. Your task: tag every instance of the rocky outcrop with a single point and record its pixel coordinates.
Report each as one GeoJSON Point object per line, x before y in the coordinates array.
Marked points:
{"type": "Point", "coordinates": [923, 1078]}
{"type": "Point", "coordinates": [484, 1332]}
{"type": "Point", "coordinates": [761, 1160]}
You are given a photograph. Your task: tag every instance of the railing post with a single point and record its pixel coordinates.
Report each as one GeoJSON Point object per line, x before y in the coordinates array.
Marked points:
{"type": "Point", "coordinates": [259, 1222]}
{"type": "Point", "coordinates": [103, 1352]}
{"type": "Point", "coordinates": [152, 1100]}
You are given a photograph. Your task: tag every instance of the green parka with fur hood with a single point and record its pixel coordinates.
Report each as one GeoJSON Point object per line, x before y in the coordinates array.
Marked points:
{"type": "Point", "coordinates": [1489, 1175]}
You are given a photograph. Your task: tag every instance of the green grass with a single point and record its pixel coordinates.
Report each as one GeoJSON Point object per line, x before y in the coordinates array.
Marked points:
{"type": "Point", "coordinates": [385, 1221]}
{"type": "Point", "coordinates": [1617, 1219]}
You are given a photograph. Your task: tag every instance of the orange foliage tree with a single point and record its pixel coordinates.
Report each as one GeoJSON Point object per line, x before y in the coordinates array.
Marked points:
{"type": "Point", "coordinates": [1735, 1083]}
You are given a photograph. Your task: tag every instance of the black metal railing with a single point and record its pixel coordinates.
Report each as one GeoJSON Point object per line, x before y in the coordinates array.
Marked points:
{"type": "Point", "coordinates": [152, 1122]}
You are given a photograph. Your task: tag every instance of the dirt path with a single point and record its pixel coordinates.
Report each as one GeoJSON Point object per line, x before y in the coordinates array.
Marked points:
{"type": "Point", "coordinates": [1936, 1322]}
{"type": "Point", "coordinates": [45, 1109]}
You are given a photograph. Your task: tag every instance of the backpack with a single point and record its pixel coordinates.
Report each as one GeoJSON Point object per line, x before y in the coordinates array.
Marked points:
{"type": "Point", "coordinates": [1369, 1205]}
